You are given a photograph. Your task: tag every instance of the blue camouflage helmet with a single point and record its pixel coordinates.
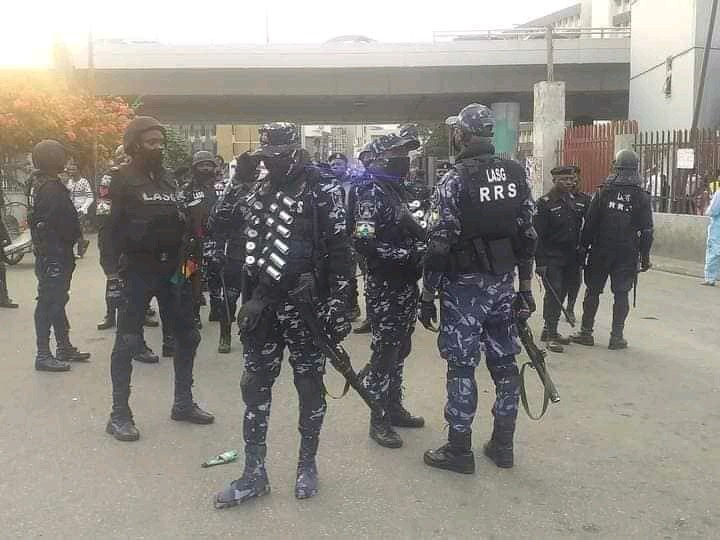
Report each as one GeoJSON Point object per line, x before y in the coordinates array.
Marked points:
{"type": "Point", "coordinates": [277, 139]}
{"type": "Point", "coordinates": [474, 120]}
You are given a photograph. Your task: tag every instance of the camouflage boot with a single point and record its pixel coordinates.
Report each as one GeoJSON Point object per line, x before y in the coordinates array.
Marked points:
{"type": "Point", "coordinates": [500, 446]}
{"type": "Point", "coordinates": [252, 484]}
{"type": "Point", "coordinates": [456, 456]}
{"type": "Point", "coordinates": [306, 485]}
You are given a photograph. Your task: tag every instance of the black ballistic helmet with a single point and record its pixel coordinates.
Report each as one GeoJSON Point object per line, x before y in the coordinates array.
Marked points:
{"type": "Point", "coordinates": [203, 156]}
{"type": "Point", "coordinates": [627, 160]}
{"type": "Point", "coordinates": [277, 139]}
{"type": "Point", "coordinates": [137, 127]}
{"type": "Point", "coordinates": [49, 156]}
{"type": "Point", "coordinates": [474, 120]}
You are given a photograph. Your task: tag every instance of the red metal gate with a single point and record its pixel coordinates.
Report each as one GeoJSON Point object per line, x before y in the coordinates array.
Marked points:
{"type": "Point", "coordinates": [592, 148]}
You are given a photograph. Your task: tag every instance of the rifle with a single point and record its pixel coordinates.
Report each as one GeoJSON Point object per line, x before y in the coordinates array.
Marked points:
{"type": "Point", "coordinates": [334, 352]}
{"type": "Point", "coordinates": [537, 362]}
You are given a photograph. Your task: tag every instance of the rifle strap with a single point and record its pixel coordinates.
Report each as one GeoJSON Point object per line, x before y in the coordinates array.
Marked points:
{"type": "Point", "coordinates": [524, 399]}
{"type": "Point", "coordinates": [327, 392]}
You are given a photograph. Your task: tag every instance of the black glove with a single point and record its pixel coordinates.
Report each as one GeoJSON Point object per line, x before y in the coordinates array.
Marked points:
{"type": "Point", "coordinates": [250, 314]}
{"type": "Point", "coordinates": [645, 263]}
{"type": "Point", "coordinates": [524, 305]}
{"type": "Point", "coordinates": [427, 314]}
{"type": "Point", "coordinates": [334, 315]}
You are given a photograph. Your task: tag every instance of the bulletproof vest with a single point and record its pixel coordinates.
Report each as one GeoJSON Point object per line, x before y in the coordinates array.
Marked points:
{"type": "Point", "coordinates": [490, 197]}
{"type": "Point", "coordinates": [616, 224]}
{"type": "Point", "coordinates": [282, 234]}
{"type": "Point", "coordinates": [219, 188]}
{"type": "Point", "coordinates": [397, 196]}
{"type": "Point", "coordinates": [154, 224]}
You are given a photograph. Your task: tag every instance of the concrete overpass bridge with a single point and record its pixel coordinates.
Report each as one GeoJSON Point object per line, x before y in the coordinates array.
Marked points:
{"type": "Point", "coordinates": [361, 83]}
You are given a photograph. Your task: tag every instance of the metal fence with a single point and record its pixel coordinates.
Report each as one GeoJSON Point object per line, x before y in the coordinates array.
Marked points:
{"type": "Point", "coordinates": [592, 148]}
{"type": "Point", "coordinates": [523, 34]}
{"type": "Point", "coordinates": [681, 168]}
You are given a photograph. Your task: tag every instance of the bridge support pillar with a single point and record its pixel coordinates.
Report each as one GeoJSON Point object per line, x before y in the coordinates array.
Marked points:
{"type": "Point", "coordinates": [548, 131]}
{"type": "Point", "coordinates": [507, 128]}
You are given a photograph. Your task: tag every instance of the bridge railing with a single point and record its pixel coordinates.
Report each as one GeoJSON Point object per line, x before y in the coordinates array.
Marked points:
{"type": "Point", "coordinates": [522, 34]}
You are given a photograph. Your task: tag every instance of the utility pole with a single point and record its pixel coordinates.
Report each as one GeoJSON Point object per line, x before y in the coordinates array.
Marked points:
{"type": "Point", "coordinates": [91, 88]}
{"type": "Point", "coordinates": [550, 61]}
{"type": "Point", "coordinates": [703, 69]}
{"type": "Point", "coordinates": [267, 28]}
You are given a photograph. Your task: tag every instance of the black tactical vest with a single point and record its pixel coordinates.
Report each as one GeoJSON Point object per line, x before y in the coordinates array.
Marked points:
{"type": "Point", "coordinates": [616, 226]}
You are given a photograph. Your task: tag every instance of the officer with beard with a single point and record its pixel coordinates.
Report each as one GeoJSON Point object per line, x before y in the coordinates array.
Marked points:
{"type": "Point", "coordinates": [229, 255]}
{"type": "Point", "coordinates": [55, 228]}
{"type": "Point", "coordinates": [200, 196]}
{"type": "Point", "coordinates": [295, 234]}
{"type": "Point", "coordinates": [618, 235]}
{"type": "Point", "coordinates": [147, 227]}
{"type": "Point", "coordinates": [385, 234]}
{"type": "Point", "coordinates": [481, 231]}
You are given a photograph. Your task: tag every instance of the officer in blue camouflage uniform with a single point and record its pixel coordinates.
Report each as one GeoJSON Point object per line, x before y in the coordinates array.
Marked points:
{"type": "Point", "coordinates": [229, 238]}
{"type": "Point", "coordinates": [294, 225]}
{"type": "Point", "coordinates": [481, 230]}
{"type": "Point", "coordinates": [212, 256]}
{"type": "Point", "coordinates": [386, 235]}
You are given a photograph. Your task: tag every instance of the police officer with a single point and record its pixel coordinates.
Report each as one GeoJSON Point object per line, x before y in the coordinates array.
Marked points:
{"type": "Point", "coordinates": [295, 230]}
{"type": "Point", "coordinates": [481, 231]}
{"type": "Point", "coordinates": [582, 200]}
{"type": "Point", "coordinates": [147, 228]}
{"type": "Point", "coordinates": [229, 238]}
{"type": "Point", "coordinates": [385, 233]}
{"type": "Point", "coordinates": [618, 234]}
{"type": "Point", "coordinates": [558, 223]}
{"type": "Point", "coordinates": [5, 240]}
{"type": "Point", "coordinates": [108, 262]}
{"type": "Point", "coordinates": [214, 281]}
{"type": "Point", "coordinates": [200, 195]}
{"type": "Point", "coordinates": [55, 228]}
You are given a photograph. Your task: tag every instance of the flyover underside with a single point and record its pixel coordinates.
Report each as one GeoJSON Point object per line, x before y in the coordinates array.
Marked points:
{"type": "Point", "coordinates": [362, 109]}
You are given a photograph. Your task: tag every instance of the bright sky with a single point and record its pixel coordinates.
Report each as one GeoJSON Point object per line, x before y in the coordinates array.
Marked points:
{"type": "Point", "coordinates": [29, 26]}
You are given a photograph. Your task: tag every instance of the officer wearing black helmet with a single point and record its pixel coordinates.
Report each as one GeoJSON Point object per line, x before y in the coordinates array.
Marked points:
{"type": "Point", "coordinates": [147, 227]}
{"type": "Point", "coordinates": [199, 195]}
{"type": "Point", "coordinates": [55, 228]}
{"type": "Point", "coordinates": [618, 235]}
{"type": "Point", "coordinates": [558, 222]}
{"type": "Point", "coordinates": [295, 234]}
{"type": "Point", "coordinates": [480, 233]}
{"type": "Point", "coordinates": [393, 244]}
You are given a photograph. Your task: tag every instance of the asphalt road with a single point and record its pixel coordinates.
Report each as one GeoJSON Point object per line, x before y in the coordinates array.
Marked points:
{"type": "Point", "coordinates": [632, 450]}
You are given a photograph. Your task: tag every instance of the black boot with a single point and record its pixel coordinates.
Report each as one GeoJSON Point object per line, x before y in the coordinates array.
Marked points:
{"type": "Point", "coordinates": [253, 483]}
{"type": "Point", "coordinates": [168, 347]}
{"type": "Point", "coordinates": [45, 361]}
{"type": "Point", "coordinates": [67, 353]}
{"type": "Point", "coordinates": [551, 334]}
{"type": "Point", "coordinates": [456, 456]}
{"type": "Point", "coordinates": [583, 337]}
{"type": "Point", "coordinates": [617, 342]}
{"type": "Point", "coordinates": [191, 413]}
{"type": "Point", "coordinates": [225, 337]}
{"type": "Point", "coordinates": [184, 408]}
{"type": "Point", "coordinates": [399, 415]}
{"type": "Point", "coordinates": [364, 327]}
{"type": "Point", "coordinates": [306, 484]}
{"type": "Point", "coordinates": [147, 356]}
{"type": "Point", "coordinates": [121, 424]}
{"type": "Point", "coordinates": [108, 322]}
{"type": "Point", "coordinates": [381, 432]}
{"type": "Point", "coordinates": [5, 301]}
{"type": "Point", "coordinates": [500, 446]}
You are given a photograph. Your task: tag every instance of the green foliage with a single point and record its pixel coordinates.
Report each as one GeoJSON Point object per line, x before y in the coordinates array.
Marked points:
{"type": "Point", "coordinates": [435, 141]}
{"type": "Point", "coordinates": [176, 150]}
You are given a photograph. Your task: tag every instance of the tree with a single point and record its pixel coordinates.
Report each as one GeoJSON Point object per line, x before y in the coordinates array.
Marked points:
{"type": "Point", "coordinates": [435, 141]}
{"type": "Point", "coordinates": [177, 155]}
{"type": "Point", "coordinates": [35, 110]}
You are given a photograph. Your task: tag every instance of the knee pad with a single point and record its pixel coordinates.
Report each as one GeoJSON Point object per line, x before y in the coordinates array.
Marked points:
{"type": "Point", "coordinates": [190, 339]}
{"type": "Point", "coordinates": [309, 385]}
{"type": "Point", "coordinates": [460, 372]}
{"type": "Point", "coordinates": [132, 342]}
{"type": "Point", "coordinates": [255, 387]}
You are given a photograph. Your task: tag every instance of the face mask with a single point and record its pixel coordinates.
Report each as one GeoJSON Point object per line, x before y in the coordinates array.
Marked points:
{"type": "Point", "coordinates": [394, 168]}
{"type": "Point", "coordinates": [152, 158]}
{"type": "Point", "coordinates": [278, 165]}
{"type": "Point", "coordinates": [204, 176]}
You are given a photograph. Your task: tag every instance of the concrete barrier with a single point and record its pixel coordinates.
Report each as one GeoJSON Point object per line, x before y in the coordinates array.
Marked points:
{"type": "Point", "coordinates": [682, 237]}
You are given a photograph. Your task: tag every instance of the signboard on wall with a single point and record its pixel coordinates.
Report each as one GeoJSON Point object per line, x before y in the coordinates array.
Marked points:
{"type": "Point", "coordinates": [686, 158]}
